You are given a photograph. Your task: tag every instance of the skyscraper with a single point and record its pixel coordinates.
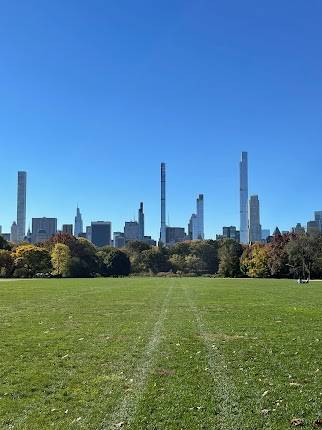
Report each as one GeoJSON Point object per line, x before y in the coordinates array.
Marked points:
{"type": "Point", "coordinates": [141, 222]}
{"type": "Point", "coordinates": [200, 217]}
{"type": "Point", "coordinates": [101, 233]}
{"type": "Point", "coordinates": [21, 206]}
{"type": "Point", "coordinates": [131, 231]}
{"type": "Point", "coordinates": [192, 227]}
{"type": "Point", "coordinates": [255, 228]}
{"type": "Point", "coordinates": [78, 229]}
{"type": "Point", "coordinates": [14, 232]}
{"type": "Point", "coordinates": [243, 168]}
{"type": "Point", "coordinates": [318, 218]}
{"type": "Point", "coordinates": [43, 229]}
{"type": "Point", "coordinates": [163, 205]}
{"type": "Point", "coordinates": [175, 235]}
{"type": "Point", "coordinates": [68, 229]}
{"type": "Point", "coordinates": [118, 239]}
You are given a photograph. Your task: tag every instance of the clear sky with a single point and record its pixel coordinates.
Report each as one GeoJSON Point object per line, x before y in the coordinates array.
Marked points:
{"type": "Point", "coordinates": [95, 94]}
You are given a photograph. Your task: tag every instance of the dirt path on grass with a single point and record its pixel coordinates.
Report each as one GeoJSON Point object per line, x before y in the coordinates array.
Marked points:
{"type": "Point", "coordinates": [223, 388]}
{"type": "Point", "coordinates": [125, 410]}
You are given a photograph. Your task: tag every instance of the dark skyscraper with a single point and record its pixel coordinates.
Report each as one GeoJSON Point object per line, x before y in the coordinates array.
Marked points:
{"type": "Point", "coordinates": [255, 228]}
{"type": "Point", "coordinates": [21, 206]}
{"type": "Point", "coordinates": [243, 166]}
{"type": "Point", "coordinates": [67, 228]}
{"type": "Point", "coordinates": [163, 205]}
{"type": "Point", "coordinates": [141, 222]}
{"type": "Point", "coordinates": [101, 233]}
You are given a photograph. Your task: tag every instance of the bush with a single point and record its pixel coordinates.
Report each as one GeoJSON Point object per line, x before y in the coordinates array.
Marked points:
{"type": "Point", "coordinates": [113, 262]}
{"type": "Point", "coordinates": [29, 260]}
{"type": "Point", "coordinates": [6, 263]}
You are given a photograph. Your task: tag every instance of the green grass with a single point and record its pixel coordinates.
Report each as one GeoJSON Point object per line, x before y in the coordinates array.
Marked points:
{"type": "Point", "coordinates": [159, 354]}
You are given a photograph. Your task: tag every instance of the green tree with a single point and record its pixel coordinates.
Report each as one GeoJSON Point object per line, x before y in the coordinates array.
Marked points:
{"type": "Point", "coordinates": [195, 264]}
{"type": "Point", "coordinates": [229, 253]}
{"type": "Point", "coordinates": [134, 250]}
{"type": "Point", "coordinates": [178, 263]}
{"type": "Point", "coordinates": [60, 259]}
{"type": "Point", "coordinates": [304, 252]}
{"type": "Point", "coordinates": [207, 251]}
{"type": "Point", "coordinates": [114, 262]}
{"type": "Point", "coordinates": [4, 244]}
{"type": "Point", "coordinates": [30, 260]}
{"type": "Point", "coordinates": [181, 248]}
{"type": "Point", "coordinates": [155, 260]}
{"type": "Point", "coordinates": [6, 263]}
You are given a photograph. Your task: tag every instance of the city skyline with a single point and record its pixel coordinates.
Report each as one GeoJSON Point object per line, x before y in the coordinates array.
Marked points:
{"type": "Point", "coordinates": [249, 215]}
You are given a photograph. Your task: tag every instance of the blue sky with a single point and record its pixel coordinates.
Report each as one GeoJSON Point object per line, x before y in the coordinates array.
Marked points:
{"type": "Point", "coordinates": [95, 94]}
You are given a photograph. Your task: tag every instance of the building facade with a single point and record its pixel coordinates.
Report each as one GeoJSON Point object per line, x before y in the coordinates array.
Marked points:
{"type": "Point", "coordinates": [68, 229]}
{"type": "Point", "coordinates": [78, 229]}
{"type": "Point", "coordinates": [313, 228]}
{"type": "Point", "coordinates": [118, 239]}
{"type": "Point", "coordinates": [141, 222]}
{"type": "Point", "coordinates": [163, 204]}
{"type": "Point", "coordinates": [14, 232]}
{"type": "Point", "coordinates": [265, 234]}
{"type": "Point", "coordinates": [21, 206]}
{"type": "Point", "coordinates": [101, 233]}
{"type": "Point", "coordinates": [255, 228]}
{"type": "Point", "coordinates": [231, 232]}
{"type": "Point", "coordinates": [131, 231]}
{"type": "Point", "coordinates": [89, 233]}
{"type": "Point", "coordinates": [243, 171]}
{"type": "Point", "coordinates": [175, 235]}
{"type": "Point", "coordinates": [200, 218]}
{"type": "Point", "coordinates": [43, 229]}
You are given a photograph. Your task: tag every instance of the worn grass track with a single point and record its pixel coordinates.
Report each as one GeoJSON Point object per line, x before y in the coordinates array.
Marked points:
{"type": "Point", "coordinates": [159, 354]}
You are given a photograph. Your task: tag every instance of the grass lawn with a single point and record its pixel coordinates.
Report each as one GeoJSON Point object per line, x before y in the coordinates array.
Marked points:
{"type": "Point", "coordinates": [160, 354]}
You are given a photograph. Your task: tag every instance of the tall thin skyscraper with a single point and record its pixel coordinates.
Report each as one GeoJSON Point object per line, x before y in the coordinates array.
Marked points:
{"type": "Point", "coordinates": [163, 229]}
{"type": "Point", "coordinates": [200, 217]}
{"type": "Point", "coordinates": [141, 222]}
{"type": "Point", "coordinates": [255, 228]}
{"type": "Point", "coordinates": [14, 233]}
{"type": "Point", "coordinates": [21, 206]}
{"type": "Point", "coordinates": [244, 229]}
{"type": "Point", "coordinates": [78, 228]}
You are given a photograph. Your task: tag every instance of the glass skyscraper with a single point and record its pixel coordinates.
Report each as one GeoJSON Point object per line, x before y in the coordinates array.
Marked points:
{"type": "Point", "coordinates": [21, 206]}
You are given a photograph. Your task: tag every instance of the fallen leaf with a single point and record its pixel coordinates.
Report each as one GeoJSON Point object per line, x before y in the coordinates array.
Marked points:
{"type": "Point", "coordinates": [297, 422]}
{"type": "Point", "coordinates": [318, 423]}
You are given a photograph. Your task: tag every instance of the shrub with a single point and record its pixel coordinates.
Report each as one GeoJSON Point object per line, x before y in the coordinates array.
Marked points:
{"type": "Point", "coordinates": [114, 262]}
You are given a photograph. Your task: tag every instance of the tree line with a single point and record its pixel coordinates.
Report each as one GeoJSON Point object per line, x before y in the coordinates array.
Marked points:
{"type": "Point", "coordinates": [287, 256]}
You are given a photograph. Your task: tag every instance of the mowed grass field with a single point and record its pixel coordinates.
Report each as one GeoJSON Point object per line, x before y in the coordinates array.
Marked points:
{"type": "Point", "coordinates": [150, 353]}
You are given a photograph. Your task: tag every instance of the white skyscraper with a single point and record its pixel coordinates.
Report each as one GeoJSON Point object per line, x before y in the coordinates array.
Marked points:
{"type": "Point", "coordinates": [193, 227]}
{"type": "Point", "coordinates": [14, 232]}
{"type": "Point", "coordinates": [244, 229]}
{"type": "Point", "coordinates": [78, 228]}
{"type": "Point", "coordinates": [196, 223]}
{"type": "Point", "coordinates": [200, 217]}
{"type": "Point", "coordinates": [21, 206]}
